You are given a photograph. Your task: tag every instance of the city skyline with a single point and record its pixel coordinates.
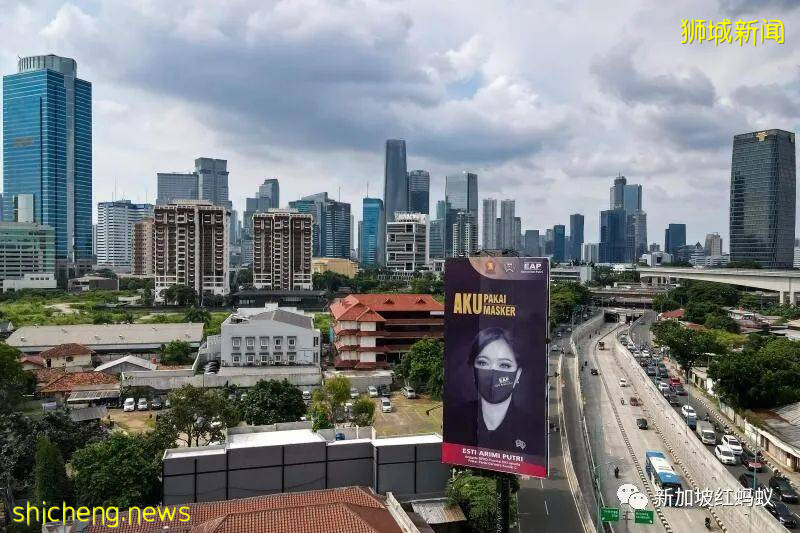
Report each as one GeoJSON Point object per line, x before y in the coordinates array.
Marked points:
{"type": "Point", "coordinates": [473, 70]}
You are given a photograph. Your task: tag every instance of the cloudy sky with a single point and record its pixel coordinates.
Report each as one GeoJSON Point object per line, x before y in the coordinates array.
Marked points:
{"type": "Point", "coordinates": [546, 100]}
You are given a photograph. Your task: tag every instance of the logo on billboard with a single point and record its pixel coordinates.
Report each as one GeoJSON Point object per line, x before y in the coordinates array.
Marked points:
{"type": "Point", "coordinates": [532, 267]}
{"type": "Point", "coordinates": [508, 267]}
{"type": "Point", "coordinates": [490, 267]}
{"type": "Point", "coordinates": [520, 444]}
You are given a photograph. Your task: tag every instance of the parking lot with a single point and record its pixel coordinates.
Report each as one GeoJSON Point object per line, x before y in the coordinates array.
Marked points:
{"type": "Point", "coordinates": [408, 417]}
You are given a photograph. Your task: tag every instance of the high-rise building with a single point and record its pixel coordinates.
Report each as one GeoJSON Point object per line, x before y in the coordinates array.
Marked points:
{"type": "Point", "coordinates": [465, 234]}
{"type": "Point", "coordinates": [591, 253]}
{"type": "Point", "coordinates": [441, 209]}
{"type": "Point", "coordinates": [47, 151]}
{"type": "Point", "coordinates": [549, 238]}
{"type": "Point", "coordinates": [407, 242]}
{"type": "Point", "coordinates": [282, 250]}
{"type": "Point", "coordinates": [506, 239]}
{"type": "Point", "coordinates": [209, 182]}
{"type": "Point", "coordinates": [517, 233]}
{"type": "Point", "coordinates": [26, 248]}
{"type": "Point", "coordinates": [559, 252]}
{"type": "Point", "coordinates": [395, 178]}
{"type": "Point", "coordinates": [267, 197]}
{"type": "Point", "coordinates": [191, 247]}
{"type": "Point", "coordinates": [461, 194]}
{"type": "Point", "coordinates": [762, 202]}
{"type": "Point", "coordinates": [436, 232]}
{"type": "Point", "coordinates": [531, 243]}
{"type": "Point", "coordinates": [674, 238]}
{"type": "Point", "coordinates": [419, 191]}
{"type": "Point", "coordinates": [632, 198]}
{"type": "Point", "coordinates": [143, 260]}
{"type": "Point", "coordinates": [372, 223]}
{"type": "Point", "coordinates": [636, 235]}
{"type": "Point", "coordinates": [173, 186]}
{"type": "Point", "coordinates": [617, 193]}
{"type": "Point", "coordinates": [115, 222]}
{"type": "Point", "coordinates": [575, 236]}
{"type": "Point", "coordinates": [331, 224]}
{"type": "Point", "coordinates": [713, 244]}
{"type": "Point", "coordinates": [613, 237]}
{"type": "Point", "coordinates": [489, 224]}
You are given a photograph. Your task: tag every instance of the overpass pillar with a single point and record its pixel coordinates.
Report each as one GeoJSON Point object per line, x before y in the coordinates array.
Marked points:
{"type": "Point", "coordinates": [781, 297]}
{"type": "Point", "coordinates": [792, 297]}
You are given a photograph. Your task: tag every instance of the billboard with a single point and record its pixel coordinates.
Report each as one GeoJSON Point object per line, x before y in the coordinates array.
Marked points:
{"type": "Point", "coordinates": [495, 368]}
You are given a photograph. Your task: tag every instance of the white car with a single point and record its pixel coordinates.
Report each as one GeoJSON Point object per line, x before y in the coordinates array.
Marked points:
{"type": "Point", "coordinates": [353, 393]}
{"type": "Point", "coordinates": [623, 382]}
{"type": "Point", "coordinates": [129, 405]}
{"type": "Point", "coordinates": [663, 387]}
{"type": "Point", "coordinates": [373, 391]}
{"type": "Point", "coordinates": [306, 395]}
{"type": "Point", "coordinates": [725, 455]}
{"type": "Point", "coordinates": [142, 405]}
{"type": "Point", "coordinates": [687, 410]}
{"type": "Point", "coordinates": [732, 443]}
{"type": "Point", "coordinates": [386, 405]}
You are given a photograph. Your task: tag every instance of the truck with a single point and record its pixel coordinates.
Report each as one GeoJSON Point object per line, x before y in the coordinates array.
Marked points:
{"type": "Point", "coordinates": [706, 433]}
{"type": "Point", "coordinates": [601, 345]}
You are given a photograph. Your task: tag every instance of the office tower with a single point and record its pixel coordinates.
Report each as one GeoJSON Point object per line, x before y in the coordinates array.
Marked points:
{"type": "Point", "coordinates": [617, 193]}
{"type": "Point", "coordinates": [115, 221]}
{"type": "Point", "coordinates": [395, 178]}
{"type": "Point", "coordinates": [209, 181]}
{"type": "Point", "coordinates": [282, 250]}
{"type": "Point", "coordinates": [269, 194]}
{"type": "Point", "coordinates": [267, 197]}
{"type": "Point", "coordinates": [331, 224]}
{"type": "Point", "coordinates": [461, 192]}
{"type": "Point", "coordinates": [636, 233]}
{"type": "Point", "coordinates": [441, 209]}
{"type": "Point", "coordinates": [549, 238]}
{"type": "Point", "coordinates": [762, 204]}
{"type": "Point", "coordinates": [47, 152]}
{"type": "Point", "coordinates": [436, 239]}
{"type": "Point", "coordinates": [26, 248]}
{"type": "Point", "coordinates": [713, 244]}
{"type": "Point", "coordinates": [654, 247]}
{"type": "Point", "coordinates": [613, 237]}
{"type": "Point", "coordinates": [632, 198]}
{"type": "Point", "coordinates": [591, 253]}
{"type": "Point", "coordinates": [191, 247]}
{"type": "Point", "coordinates": [575, 236]}
{"type": "Point", "coordinates": [506, 225]}
{"type": "Point", "coordinates": [407, 242]}
{"type": "Point", "coordinates": [674, 237]}
{"type": "Point", "coordinates": [517, 233]}
{"type": "Point", "coordinates": [531, 243]}
{"type": "Point", "coordinates": [465, 234]}
{"type": "Point", "coordinates": [371, 245]}
{"type": "Point", "coordinates": [559, 251]}
{"type": "Point", "coordinates": [419, 191]}
{"type": "Point", "coordinates": [173, 186]}
{"type": "Point", "coordinates": [489, 224]}
{"type": "Point", "coordinates": [143, 262]}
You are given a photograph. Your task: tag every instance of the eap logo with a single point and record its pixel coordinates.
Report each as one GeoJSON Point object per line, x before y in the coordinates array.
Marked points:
{"type": "Point", "coordinates": [532, 266]}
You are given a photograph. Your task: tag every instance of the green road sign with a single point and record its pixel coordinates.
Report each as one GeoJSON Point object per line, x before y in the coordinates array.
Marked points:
{"type": "Point", "coordinates": [643, 516]}
{"type": "Point", "coordinates": [609, 514]}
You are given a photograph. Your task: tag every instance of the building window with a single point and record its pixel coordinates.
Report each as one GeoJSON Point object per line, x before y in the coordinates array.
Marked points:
{"type": "Point", "coordinates": [277, 358]}
{"type": "Point", "coordinates": [250, 359]}
{"type": "Point", "coordinates": [236, 342]}
{"type": "Point", "coordinates": [265, 359]}
{"type": "Point", "coordinates": [316, 341]}
{"type": "Point", "coordinates": [278, 342]}
{"type": "Point", "coordinates": [69, 359]}
{"type": "Point", "coordinates": [292, 357]}
{"type": "Point", "coordinates": [264, 342]}
{"type": "Point", "coordinates": [235, 358]}
{"type": "Point", "coordinates": [251, 343]}
{"type": "Point", "coordinates": [291, 341]}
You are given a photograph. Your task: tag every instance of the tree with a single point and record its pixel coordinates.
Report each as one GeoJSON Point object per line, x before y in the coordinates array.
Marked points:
{"type": "Point", "coordinates": [180, 294]}
{"type": "Point", "coordinates": [14, 381]}
{"type": "Point", "coordinates": [244, 276]}
{"type": "Point", "coordinates": [329, 281]}
{"type": "Point", "coordinates": [423, 366]}
{"type": "Point", "coordinates": [320, 416]}
{"type": "Point", "coordinates": [663, 302]}
{"type": "Point", "coordinates": [477, 496]}
{"type": "Point", "coordinates": [197, 314]}
{"type": "Point", "coordinates": [696, 311]}
{"type": "Point", "coordinates": [427, 283]}
{"type": "Point", "coordinates": [176, 353]}
{"type": "Point", "coordinates": [198, 415]}
{"type": "Point", "coordinates": [270, 402]}
{"type": "Point", "coordinates": [363, 411]}
{"type": "Point", "coordinates": [147, 296]}
{"type": "Point", "coordinates": [332, 396]}
{"type": "Point", "coordinates": [102, 318]}
{"type": "Point", "coordinates": [51, 483]}
{"type": "Point", "coordinates": [720, 320]}
{"type": "Point", "coordinates": [686, 345]}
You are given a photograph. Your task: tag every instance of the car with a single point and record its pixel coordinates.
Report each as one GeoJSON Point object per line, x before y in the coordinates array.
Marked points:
{"type": "Point", "coordinates": [751, 461]}
{"type": "Point", "coordinates": [307, 395]}
{"type": "Point", "coordinates": [724, 454]}
{"type": "Point", "coordinates": [781, 513]}
{"type": "Point", "coordinates": [167, 404]}
{"type": "Point", "coordinates": [353, 393]}
{"type": "Point", "coordinates": [641, 423]}
{"type": "Point", "coordinates": [673, 399]}
{"type": "Point", "coordinates": [680, 390]}
{"type": "Point", "coordinates": [156, 404]}
{"type": "Point", "coordinates": [663, 387]}
{"type": "Point", "coordinates": [409, 392]}
{"type": "Point", "coordinates": [688, 411]}
{"type": "Point", "coordinates": [595, 372]}
{"type": "Point", "coordinates": [559, 333]}
{"type": "Point", "coordinates": [142, 405]}
{"type": "Point", "coordinates": [733, 443]}
{"type": "Point", "coordinates": [555, 348]}
{"type": "Point", "coordinates": [635, 401]}
{"type": "Point", "coordinates": [372, 390]}
{"type": "Point", "coordinates": [383, 390]}
{"type": "Point", "coordinates": [781, 487]}
{"type": "Point", "coordinates": [674, 382]}
{"type": "Point", "coordinates": [646, 352]}
{"type": "Point", "coordinates": [652, 371]}
{"type": "Point", "coordinates": [748, 480]}
{"type": "Point", "coordinates": [386, 405]}
{"type": "Point", "coordinates": [623, 382]}
{"type": "Point", "coordinates": [129, 405]}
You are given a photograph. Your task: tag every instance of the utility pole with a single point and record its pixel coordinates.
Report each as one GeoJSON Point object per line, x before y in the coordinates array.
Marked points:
{"type": "Point", "coordinates": [503, 503]}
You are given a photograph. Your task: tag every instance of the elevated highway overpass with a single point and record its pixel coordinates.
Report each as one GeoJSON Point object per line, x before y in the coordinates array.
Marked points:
{"type": "Point", "coordinates": [785, 282]}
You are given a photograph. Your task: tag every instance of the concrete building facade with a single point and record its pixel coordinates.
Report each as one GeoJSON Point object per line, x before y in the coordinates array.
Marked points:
{"type": "Point", "coordinates": [115, 223]}
{"type": "Point", "coordinates": [407, 242]}
{"type": "Point", "coordinates": [282, 246]}
{"type": "Point", "coordinates": [143, 263]}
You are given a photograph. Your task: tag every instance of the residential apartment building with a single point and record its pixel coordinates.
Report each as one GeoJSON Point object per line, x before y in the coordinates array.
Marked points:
{"type": "Point", "coordinates": [282, 246]}
{"type": "Point", "coordinates": [407, 242]}
{"type": "Point", "coordinates": [271, 335]}
{"type": "Point", "coordinates": [191, 247]}
{"type": "Point", "coordinates": [373, 330]}
{"type": "Point", "coordinates": [143, 263]}
{"type": "Point", "coordinates": [465, 235]}
{"type": "Point", "coordinates": [115, 223]}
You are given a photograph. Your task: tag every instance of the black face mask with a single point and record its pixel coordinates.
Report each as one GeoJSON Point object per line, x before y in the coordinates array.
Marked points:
{"type": "Point", "coordinates": [495, 386]}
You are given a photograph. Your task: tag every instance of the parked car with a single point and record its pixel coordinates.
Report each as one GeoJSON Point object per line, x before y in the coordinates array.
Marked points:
{"type": "Point", "coordinates": [749, 481]}
{"type": "Point", "coordinates": [129, 405]}
{"type": "Point", "coordinates": [595, 372]}
{"type": "Point", "coordinates": [724, 454]}
{"type": "Point", "coordinates": [372, 390]}
{"type": "Point", "coordinates": [383, 390]}
{"type": "Point", "coordinates": [142, 404]}
{"type": "Point", "coordinates": [386, 405]}
{"type": "Point", "coordinates": [307, 395]}
{"type": "Point", "coordinates": [353, 393]}
{"type": "Point", "coordinates": [674, 382]}
{"type": "Point", "coordinates": [680, 390]}
{"type": "Point", "coordinates": [673, 399]}
{"type": "Point", "coordinates": [156, 404]}
{"type": "Point", "coordinates": [733, 443]}
{"type": "Point", "coordinates": [641, 423]}
{"type": "Point", "coordinates": [781, 487]}
{"type": "Point", "coordinates": [652, 371]}
{"type": "Point", "coordinates": [751, 461]}
{"type": "Point", "coordinates": [623, 382]}
{"type": "Point", "coordinates": [409, 392]}
{"type": "Point", "coordinates": [781, 513]}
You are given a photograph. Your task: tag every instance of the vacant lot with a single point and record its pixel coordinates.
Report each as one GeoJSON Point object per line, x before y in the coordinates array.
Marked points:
{"type": "Point", "coordinates": [134, 421]}
{"type": "Point", "coordinates": [408, 417]}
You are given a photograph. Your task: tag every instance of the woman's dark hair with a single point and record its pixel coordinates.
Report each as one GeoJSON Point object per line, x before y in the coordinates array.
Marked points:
{"type": "Point", "coordinates": [487, 336]}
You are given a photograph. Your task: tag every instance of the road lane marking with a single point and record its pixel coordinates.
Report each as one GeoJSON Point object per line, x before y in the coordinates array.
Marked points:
{"type": "Point", "coordinates": [546, 511]}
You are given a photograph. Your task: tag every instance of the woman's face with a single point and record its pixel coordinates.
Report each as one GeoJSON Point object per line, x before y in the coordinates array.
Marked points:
{"type": "Point", "coordinates": [496, 371]}
{"type": "Point", "coordinates": [497, 355]}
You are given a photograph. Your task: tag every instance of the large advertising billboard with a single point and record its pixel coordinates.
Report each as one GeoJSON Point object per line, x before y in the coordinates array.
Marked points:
{"type": "Point", "coordinates": [495, 368]}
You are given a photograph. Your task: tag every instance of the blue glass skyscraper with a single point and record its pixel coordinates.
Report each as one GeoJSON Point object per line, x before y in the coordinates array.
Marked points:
{"type": "Point", "coordinates": [395, 179]}
{"type": "Point", "coordinates": [372, 228]}
{"type": "Point", "coordinates": [47, 149]}
{"type": "Point", "coordinates": [559, 243]}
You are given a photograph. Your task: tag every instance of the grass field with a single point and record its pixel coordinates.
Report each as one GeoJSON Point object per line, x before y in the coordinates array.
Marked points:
{"type": "Point", "coordinates": [408, 417]}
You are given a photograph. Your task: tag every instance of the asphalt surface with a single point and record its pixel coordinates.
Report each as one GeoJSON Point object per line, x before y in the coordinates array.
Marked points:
{"type": "Point", "coordinates": [640, 334]}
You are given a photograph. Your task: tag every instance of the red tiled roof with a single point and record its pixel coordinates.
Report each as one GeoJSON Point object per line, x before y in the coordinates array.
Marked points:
{"type": "Point", "coordinates": [344, 363]}
{"type": "Point", "coordinates": [32, 359]}
{"type": "Point", "coordinates": [47, 375]}
{"type": "Point", "coordinates": [678, 313]}
{"type": "Point", "coordinates": [351, 509]}
{"type": "Point", "coordinates": [367, 307]}
{"type": "Point", "coordinates": [67, 382]}
{"type": "Point", "coordinates": [65, 350]}
{"type": "Point", "coordinates": [371, 365]}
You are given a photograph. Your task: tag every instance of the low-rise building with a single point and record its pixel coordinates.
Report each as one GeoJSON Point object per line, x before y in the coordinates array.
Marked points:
{"type": "Point", "coordinates": [655, 258]}
{"type": "Point", "coordinates": [39, 280]}
{"type": "Point", "coordinates": [26, 249]}
{"type": "Point", "coordinates": [373, 330]}
{"type": "Point", "coordinates": [93, 283]}
{"type": "Point", "coordinates": [576, 274]}
{"type": "Point", "coordinates": [64, 384]}
{"type": "Point", "coordinates": [69, 355]}
{"type": "Point", "coordinates": [305, 300]}
{"type": "Point", "coordinates": [129, 363]}
{"type": "Point", "coordinates": [338, 265]}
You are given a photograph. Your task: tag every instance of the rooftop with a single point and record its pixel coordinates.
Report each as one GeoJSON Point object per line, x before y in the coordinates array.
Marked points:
{"type": "Point", "coordinates": [367, 307]}
{"type": "Point", "coordinates": [91, 335]}
{"type": "Point", "coordinates": [67, 382]}
{"type": "Point", "coordinates": [69, 349]}
{"type": "Point", "coordinates": [131, 359]}
{"type": "Point", "coordinates": [286, 315]}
